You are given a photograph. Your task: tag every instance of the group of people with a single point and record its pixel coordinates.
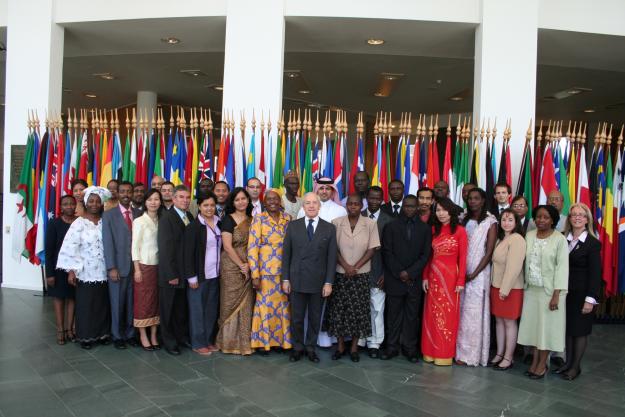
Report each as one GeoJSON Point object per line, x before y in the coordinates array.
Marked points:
{"type": "Point", "coordinates": [247, 270]}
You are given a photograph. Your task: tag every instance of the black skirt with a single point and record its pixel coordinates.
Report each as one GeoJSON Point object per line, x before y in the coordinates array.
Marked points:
{"type": "Point", "coordinates": [348, 312]}
{"type": "Point", "coordinates": [93, 311]}
{"type": "Point", "coordinates": [577, 324]}
{"type": "Point", "coordinates": [61, 288]}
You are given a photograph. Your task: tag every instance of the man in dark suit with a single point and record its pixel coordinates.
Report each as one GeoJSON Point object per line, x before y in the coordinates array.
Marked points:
{"type": "Point", "coordinates": [375, 196]}
{"type": "Point", "coordinates": [308, 269]}
{"type": "Point", "coordinates": [406, 248]}
{"type": "Point", "coordinates": [441, 190]}
{"type": "Point", "coordinates": [396, 193]}
{"type": "Point", "coordinates": [117, 241]}
{"type": "Point", "coordinates": [172, 293]}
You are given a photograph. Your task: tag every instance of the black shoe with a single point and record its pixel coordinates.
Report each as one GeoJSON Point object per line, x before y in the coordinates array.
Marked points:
{"type": "Point", "coordinates": [337, 355]}
{"type": "Point", "coordinates": [119, 344]}
{"type": "Point", "coordinates": [105, 341]}
{"type": "Point", "coordinates": [494, 361]}
{"type": "Point", "coordinates": [156, 347]}
{"type": "Point", "coordinates": [374, 353]}
{"type": "Point", "coordinates": [354, 356]}
{"type": "Point", "coordinates": [175, 351]}
{"type": "Point", "coordinates": [185, 345]}
{"type": "Point", "coordinates": [132, 342]}
{"type": "Point", "coordinates": [497, 366]}
{"type": "Point", "coordinates": [263, 352]}
{"type": "Point", "coordinates": [568, 377]}
{"type": "Point", "coordinates": [295, 355]}
{"type": "Point", "coordinates": [85, 345]}
{"type": "Point", "coordinates": [413, 358]}
{"type": "Point", "coordinates": [557, 361]}
{"type": "Point", "coordinates": [536, 376]}
{"type": "Point", "coordinates": [561, 369]}
{"type": "Point", "coordinates": [149, 348]}
{"type": "Point", "coordinates": [386, 355]}
{"type": "Point", "coordinates": [312, 356]}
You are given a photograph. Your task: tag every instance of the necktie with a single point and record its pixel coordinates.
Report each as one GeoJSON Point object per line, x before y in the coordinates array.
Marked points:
{"type": "Point", "coordinates": [396, 209]}
{"type": "Point", "coordinates": [310, 229]}
{"type": "Point", "coordinates": [128, 220]}
{"type": "Point", "coordinates": [371, 216]}
{"type": "Point", "coordinates": [185, 220]}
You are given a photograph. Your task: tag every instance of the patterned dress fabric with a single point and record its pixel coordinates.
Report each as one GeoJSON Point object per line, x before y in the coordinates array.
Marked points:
{"type": "Point", "coordinates": [445, 271]}
{"type": "Point", "coordinates": [271, 320]}
{"type": "Point", "coordinates": [473, 341]}
{"type": "Point", "coordinates": [236, 294]}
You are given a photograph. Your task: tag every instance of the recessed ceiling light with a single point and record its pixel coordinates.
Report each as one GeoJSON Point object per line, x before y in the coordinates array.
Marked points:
{"type": "Point", "coordinates": [67, 90]}
{"type": "Point", "coordinates": [375, 41]}
{"type": "Point", "coordinates": [170, 40]}
{"type": "Point", "coordinates": [304, 91]}
{"type": "Point", "coordinates": [378, 94]}
{"type": "Point", "coordinates": [105, 76]}
{"type": "Point", "coordinates": [589, 111]}
{"type": "Point", "coordinates": [90, 95]}
{"type": "Point", "coordinates": [455, 98]}
{"type": "Point", "coordinates": [193, 72]}
{"type": "Point", "coordinates": [392, 126]}
{"type": "Point", "coordinates": [218, 87]}
{"type": "Point", "coordinates": [292, 74]}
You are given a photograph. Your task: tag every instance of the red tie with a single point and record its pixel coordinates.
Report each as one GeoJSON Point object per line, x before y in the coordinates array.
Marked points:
{"type": "Point", "coordinates": [128, 220]}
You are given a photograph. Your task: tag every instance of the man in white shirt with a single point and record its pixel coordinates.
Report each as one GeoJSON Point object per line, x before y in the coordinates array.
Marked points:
{"type": "Point", "coordinates": [254, 188]}
{"type": "Point", "coordinates": [330, 203]}
{"type": "Point", "coordinates": [556, 199]}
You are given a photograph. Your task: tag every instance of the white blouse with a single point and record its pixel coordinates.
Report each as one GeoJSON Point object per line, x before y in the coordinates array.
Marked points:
{"type": "Point", "coordinates": [83, 252]}
{"type": "Point", "coordinates": [144, 240]}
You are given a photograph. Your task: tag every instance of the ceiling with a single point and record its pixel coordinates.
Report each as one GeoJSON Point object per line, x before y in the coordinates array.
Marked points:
{"type": "Point", "coordinates": [340, 69]}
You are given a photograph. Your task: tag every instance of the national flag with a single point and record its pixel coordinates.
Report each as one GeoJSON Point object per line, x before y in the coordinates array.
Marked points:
{"type": "Point", "coordinates": [278, 174]}
{"type": "Point", "coordinates": [59, 157]}
{"type": "Point", "coordinates": [537, 168]}
{"type": "Point", "coordinates": [436, 169]}
{"type": "Point", "coordinates": [528, 181]}
{"type": "Point", "coordinates": [132, 162]}
{"type": "Point", "coordinates": [423, 163]}
{"type": "Point", "coordinates": [205, 159]}
{"type": "Point", "coordinates": [430, 165]}
{"type": "Point", "coordinates": [475, 165]}
{"type": "Point", "coordinates": [151, 156]}
{"type": "Point", "coordinates": [31, 233]}
{"type": "Point", "coordinates": [456, 195]}
{"type": "Point", "coordinates": [107, 159]}
{"type": "Point", "coordinates": [67, 166]}
{"type": "Point", "coordinates": [96, 166]}
{"type": "Point", "coordinates": [261, 164]}
{"type": "Point", "coordinates": [174, 174]}
{"type": "Point", "coordinates": [384, 178]}
{"type": "Point", "coordinates": [315, 159]}
{"type": "Point", "coordinates": [489, 173]}
{"type": "Point", "coordinates": [601, 190]}
{"type": "Point", "coordinates": [307, 177]}
{"type": "Point", "coordinates": [607, 237]}
{"type": "Point", "coordinates": [287, 156]}
{"type": "Point", "coordinates": [564, 185]}
{"type": "Point", "coordinates": [448, 173]}
{"type": "Point", "coordinates": [222, 155]}
{"type": "Point", "coordinates": [329, 160]}
{"type": "Point", "coordinates": [617, 187]}
{"type": "Point", "coordinates": [230, 168]}
{"type": "Point", "coordinates": [117, 155]}
{"type": "Point", "coordinates": [46, 154]}
{"type": "Point", "coordinates": [572, 174]}
{"type": "Point", "coordinates": [358, 163]}
{"type": "Point", "coordinates": [621, 230]}
{"type": "Point", "coordinates": [169, 156]}
{"type": "Point", "coordinates": [583, 191]}
{"type": "Point", "coordinates": [407, 166]}
{"type": "Point", "coordinates": [251, 157]}
{"type": "Point", "coordinates": [399, 162]}
{"type": "Point", "coordinates": [338, 165]}
{"type": "Point", "coordinates": [83, 162]}
{"type": "Point", "coordinates": [547, 178]}
{"type": "Point", "coordinates": [195, 161]}
{"type": "Point", "coordinates": [414, 168]}
{"type": "Point", "coordinates": [24, 216]}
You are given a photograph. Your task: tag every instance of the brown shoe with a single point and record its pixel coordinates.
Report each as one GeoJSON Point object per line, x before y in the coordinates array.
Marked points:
{"type": "Point", "coordinates": [202, 351]}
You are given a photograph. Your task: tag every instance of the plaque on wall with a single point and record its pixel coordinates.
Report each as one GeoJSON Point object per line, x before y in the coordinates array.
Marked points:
{"type": "Point", "coordinates": [18, 152]}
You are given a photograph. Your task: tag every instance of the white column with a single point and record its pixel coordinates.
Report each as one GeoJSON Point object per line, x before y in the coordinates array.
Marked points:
{"type": "Point", "coordinates": [505, 69]}
{"type": "Point", "coordinates": [146, 104]}
{"type": "Point", "coordinates": [34, 70]}
{"type": "Point", "coordinates": [253, 63]}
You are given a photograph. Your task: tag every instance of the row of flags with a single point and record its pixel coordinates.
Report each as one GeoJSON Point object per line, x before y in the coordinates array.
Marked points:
{"type": "Point", "coordinates": [186, 154]}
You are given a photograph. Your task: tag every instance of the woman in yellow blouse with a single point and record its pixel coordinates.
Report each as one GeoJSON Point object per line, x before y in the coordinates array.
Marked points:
{"type": "Point", "coordinates": [145, 258]}
{"type": "Point", "coordinates": [271, 327]}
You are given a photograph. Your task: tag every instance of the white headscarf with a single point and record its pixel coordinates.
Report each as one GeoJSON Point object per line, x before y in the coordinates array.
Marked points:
{"type": "Point", "coordinates": [102, 192]}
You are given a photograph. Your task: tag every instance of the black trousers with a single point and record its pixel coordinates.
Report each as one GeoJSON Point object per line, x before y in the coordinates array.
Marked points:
{"type": "Point", "coordinates": [403, 321]}
{"type": "Point", "coordinates": [299, 303]}
{"type": "Point", "coordinates": [174, 316]}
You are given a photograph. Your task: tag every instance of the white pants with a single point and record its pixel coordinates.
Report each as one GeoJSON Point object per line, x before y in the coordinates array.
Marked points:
{"type": "Point", "coordinates": [378, 298]}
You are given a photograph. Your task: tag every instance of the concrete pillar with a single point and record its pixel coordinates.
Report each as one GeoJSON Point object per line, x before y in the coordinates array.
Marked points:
{"type": "Point", "coordinates": [146, 104]}
{"type": "Point", "coordinates": [254, 63]}
{"type": "Point", "coordinates": [34, 71]}
{"type": "Point", "coordinates": [505, 69]}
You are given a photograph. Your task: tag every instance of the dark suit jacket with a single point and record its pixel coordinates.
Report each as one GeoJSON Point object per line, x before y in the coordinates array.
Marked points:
{"type": "Point", "coordinates": [171, 230]}
{"type": "Point", "coordinates": [585, 268]}
{"type": "Point", "coordinates": [308, 265]}
{"type": "Point", "coordinates": [377, 264]}
{"type": "Point", "coordinates": [403, 254]}
{"type": "Point", "coordinates": [117, 240]}
{"type": "Point", "coordinates": [195, 250]}
{"type": "Point", "coordinates": [388, 209]}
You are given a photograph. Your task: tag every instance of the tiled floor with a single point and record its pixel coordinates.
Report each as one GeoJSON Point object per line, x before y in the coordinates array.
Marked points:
{"type": "Point", "coordinates": [39, 378]}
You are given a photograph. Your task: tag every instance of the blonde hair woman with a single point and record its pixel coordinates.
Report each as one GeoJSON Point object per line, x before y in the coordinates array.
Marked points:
{"type": "Point", "coordinates": [584, 286]}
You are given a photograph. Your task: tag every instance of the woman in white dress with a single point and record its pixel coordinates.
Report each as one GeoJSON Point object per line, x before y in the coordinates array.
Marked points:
{"type": "Point", "coordinates": [82, 256]}
{"type": "Point", "coordinates": [473, 342]}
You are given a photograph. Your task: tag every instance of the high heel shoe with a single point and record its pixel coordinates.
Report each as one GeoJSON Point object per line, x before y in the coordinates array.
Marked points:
{"type": "Point", "coordinates": [337, 355]}
{"type": "Point", "coordinates": [493, 361]}
{"type": "Point", "coordinates": [354, 356]}
{"type": "Point", "coordinates": [539, 376]}
{"type": "Point", "coordinates": [568, 377]}
{"type": "Point", "coordinates": [60, 337]}
{"type": "Point", "coordinates": [497, 366]}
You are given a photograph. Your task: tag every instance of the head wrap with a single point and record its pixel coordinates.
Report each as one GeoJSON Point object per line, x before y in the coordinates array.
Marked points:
{"type": "Point", "coordinates": [291, 174]}
{"type": "Point", "coordinates": [330, 182]}
{"type": "Point", "coordinates": [101, 192]}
